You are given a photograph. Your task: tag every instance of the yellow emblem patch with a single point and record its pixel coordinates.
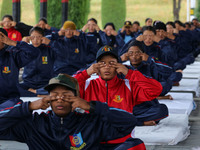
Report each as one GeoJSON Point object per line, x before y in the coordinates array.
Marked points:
{"type": "Point", "coordinates": [118, 99]}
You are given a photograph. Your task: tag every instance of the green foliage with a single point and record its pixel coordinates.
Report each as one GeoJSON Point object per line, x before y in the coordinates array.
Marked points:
{"type": "Point", "coordinates": [197, 9]}
{"type": "Point", "coordinates": [6, 8]}
{"type": "Point", "coordinates": [37, 10]}
{"type": "Point", "coordinates": [113, 11]}
{"type": "Point", "coordinates": [78, 12]}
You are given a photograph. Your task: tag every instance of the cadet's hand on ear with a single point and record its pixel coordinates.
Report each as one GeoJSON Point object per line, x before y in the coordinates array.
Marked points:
{"type": "Point", "coordinates": [47, 26]}
{"type": "Point", "coordinates": [124, 57]}
{"type": "Point", "coordinates": [120, 68]}
{"type": "Point", "coordinates": [4, 39]}
{"type": "Point", "coordinates": [76, 33]}
{"type": "Point", "coordinates": [85, 27]}
{"type": "Point", "coordinates": [144, 56]}
{"type": "Point", "coordinates": [140, 38]}
{"type": "Point", "coordinates": [42, 103]}
{"type": "Point", "coordinates": [45, 41]}
{"type": "Point", "coordinates": [78, 102]}
{"type": "Point", "coordinates": [26, 39]}
{"type": "Point", "coordinates": [61, 32]}
{"type": "Point", "coordinates": [94, 68]}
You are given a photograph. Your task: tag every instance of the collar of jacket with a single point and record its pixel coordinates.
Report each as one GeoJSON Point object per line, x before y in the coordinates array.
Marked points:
{"type": "Point", "coordinates": [111, 83]}
{"type": "Point", "coordinates": [10, 30]}
{"type": "Point", "coordinates": [68, 121]}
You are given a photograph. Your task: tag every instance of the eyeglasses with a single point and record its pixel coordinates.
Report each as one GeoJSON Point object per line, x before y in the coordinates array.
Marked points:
{"type": "Point", "coordinates": [137, 53]}
{"type": "Point", "coordinates": [36, 37]}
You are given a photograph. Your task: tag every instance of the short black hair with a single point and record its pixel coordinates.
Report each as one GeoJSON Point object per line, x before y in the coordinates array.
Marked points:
{"type": "Point", "coordinates": [179, 22]}
{"type": "Point", "coordinates": [92, 19]}
{"type": "Point", "coordinates": [149, 28]}
{"type": "Point", "coordinates": [171, 23]}
{"type": "Point", "coordinates": [188, 23]}
{"type": "Point", "coordinates": [37, 29]}
{"type": "Point", "coordinates": [43, 19]}
{"type": "Point", "coordinates": [136, 22]}
{"type": "Point", "coordinates": [147, 19]}
{"type": "Point", "coordinates": [109, 24]}
{"type": "Point", "coordinates": [8, 16]}
{"type": "Point", "coordinates": [195, 19]}
{"type": "Point", "coordinates": [136, 43]}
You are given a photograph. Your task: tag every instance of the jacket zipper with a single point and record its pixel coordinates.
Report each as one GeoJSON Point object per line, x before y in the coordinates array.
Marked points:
{"type": "Point", "coordinates": [61, 124]}
{"type": "Point", "coordinates": [106, 92]}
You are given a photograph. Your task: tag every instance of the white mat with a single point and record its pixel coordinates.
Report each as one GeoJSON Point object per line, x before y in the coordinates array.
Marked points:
{"type": "Point", "coordinates": [182, 103]}
{"type": "Point", "coordinates": [169, 131]}
{"type": "Point", "coordinates": [187, 85]}
{"type": "Point", "coordinates": [191, 76]}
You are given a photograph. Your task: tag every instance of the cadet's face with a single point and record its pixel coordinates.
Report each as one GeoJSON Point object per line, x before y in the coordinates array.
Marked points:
{"type": "Point", "coordinates": [107, 72]}
{"type": "Point", "coordinates": [60, 106]}
{"type": "Point", "coordinates": [134, 54]}
{"type": "Point", "coordinates": [7, 23]}
{"type": "Point", "coordinates": [36, 38]}
{"type": "Point", "coordinates": [41, 24]}
{"type": "Point", "coordinates": [149, 22]}
{"type": "Point", "coordinates": [170, 29]}
{"type": "Point", "coordinates": [91, 26]}
{"type": "Point", "coordinates": [195, 22]}
{"type": "Point", "coordinates": [135, 27]}
{"type": "Point", "coordinates": [148, 37]}
{"type": "Point", "coordinates": [68, 33]}
{"type": "Point", "coordinates": [161, 33]}
{"type": "Point", "coordinates": [109, 30]}
{"type": "Point", "coordinates": [128, 30]}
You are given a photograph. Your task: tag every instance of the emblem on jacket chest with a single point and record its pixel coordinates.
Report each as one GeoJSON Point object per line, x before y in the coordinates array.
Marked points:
{"type": "Point", "coordinates": [118, 99]}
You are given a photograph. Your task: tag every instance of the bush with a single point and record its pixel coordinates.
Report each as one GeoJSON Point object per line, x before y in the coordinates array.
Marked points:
{"type": "Point", "coordinates": [6, 8]}
{"type": "Point", "coordinates": [78, 12]}
{"type": "Point", "coordinates": [113, 11]}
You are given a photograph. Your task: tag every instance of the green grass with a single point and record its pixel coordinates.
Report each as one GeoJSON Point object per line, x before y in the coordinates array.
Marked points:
{"type": "Point", "coordinates": [136, 10]}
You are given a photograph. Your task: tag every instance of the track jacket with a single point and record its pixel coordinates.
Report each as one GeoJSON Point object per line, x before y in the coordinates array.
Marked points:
{"type": "Point", "coordinates": [119, 93]}
{"type": "Point", "coordinates": [74, 132]}
{"type": "Point", "coordinates": [11, 60]}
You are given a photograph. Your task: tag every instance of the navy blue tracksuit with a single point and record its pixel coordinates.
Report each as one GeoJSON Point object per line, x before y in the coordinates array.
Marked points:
{"type": "Point", "coordinates": [37, 73]}
{"type": "Point", "coordinates": [71, 53]}
{"type": "Point", "coordinates": [11, 60]}
{"type": "Point", "coordinates": [75, 131]}
{"type": "Point", "coordinates": [95, 42]}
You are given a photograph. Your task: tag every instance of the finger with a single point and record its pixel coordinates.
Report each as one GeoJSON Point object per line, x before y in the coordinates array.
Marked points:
{"type": "Point", "coordinates": [3, 35]}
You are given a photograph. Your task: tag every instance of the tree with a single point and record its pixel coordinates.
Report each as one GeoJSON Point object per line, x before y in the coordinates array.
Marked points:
{"type": "Point", "coordinates": [6, 8]}
{"type": "Point", "coordinates": [176, 8]}
{"type": "Point", "coordinates": [113, 11]}
{"type": "Point", "coordinates": [197, 10]}
{"type": "Point", "coordinates": [78, 11]}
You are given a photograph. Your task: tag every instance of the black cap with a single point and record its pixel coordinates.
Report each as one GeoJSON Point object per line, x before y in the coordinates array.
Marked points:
{"type": "Point", "coordinates": [127, 24]}
{"type": "Point", "coordinates": [106, 50]}
{"type": "Point", "coordinates": [3, 31]}
{"type": "Point", "coordinates": [160, 26]}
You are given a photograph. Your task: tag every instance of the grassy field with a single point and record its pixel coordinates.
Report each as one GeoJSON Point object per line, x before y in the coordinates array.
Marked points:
{"type": "Point", "coordinates": [136, 10]}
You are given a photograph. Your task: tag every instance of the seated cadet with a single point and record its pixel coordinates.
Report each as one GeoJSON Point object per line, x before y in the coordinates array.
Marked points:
{"type": "Point", "coordinates": [13, 56]}
{"type": "Point", "coordinates": [136, 28]}
{"type": "Point", "coordinates": [38, 72]}
{"type": "Point", "coordinates": [116, 92]}
{"type": "Point", "coordinates": [96, 38]}
{"type": "Point", "coordinates": [148, 22]}
{"type": "Point", "coordinates": [64, 127]}
{"type": "Point", "coordinates": [183, 42]}
{"type": "Point", "coordinates": [8, 24]}
{"type": "Point", "coordinates": [142, 62]}
{"type": "Point", "coordinates": [113, 39]}
{"type": "Point", "coordinates": [71, 51]}
{"type": "Point", "coordinates": [126, 32]}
